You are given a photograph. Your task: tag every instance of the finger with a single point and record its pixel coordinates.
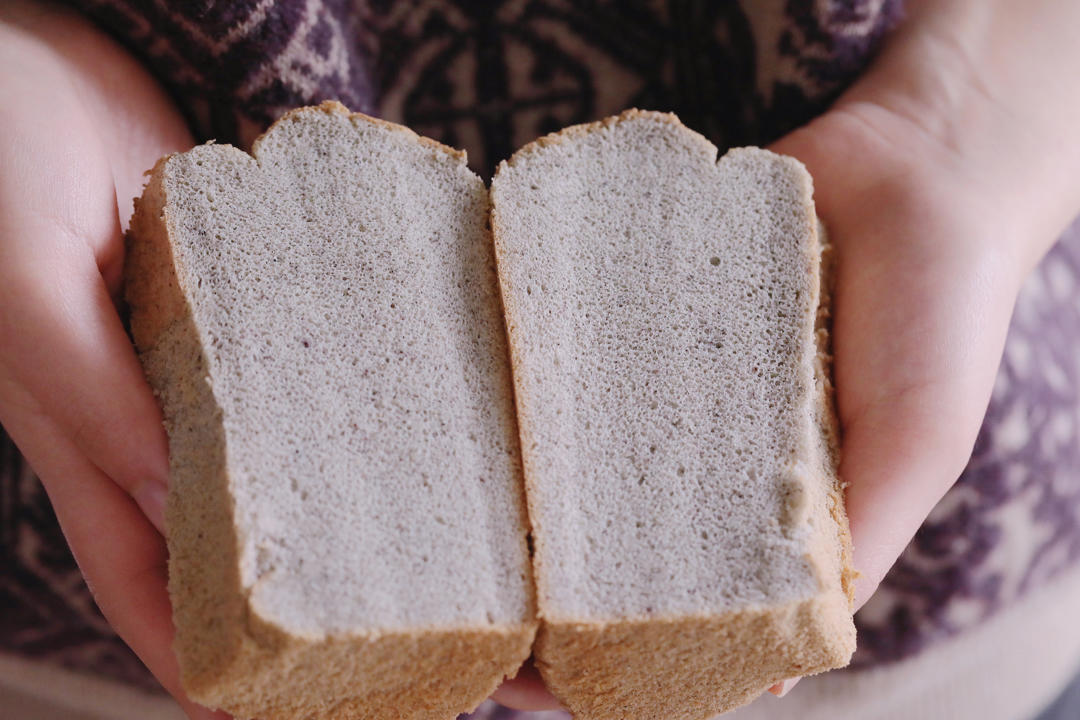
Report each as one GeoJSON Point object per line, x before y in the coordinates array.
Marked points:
{"type": "Point", "coordinates": [899, 460]}
{"type": "Point", "coordinates": [120, 553]}
{"type": "Point", "coordinates": [68, 359]}
{"type": "Point", "coordinates": [526, 691]}
{"type": "Point", "coordinates": [89, 118]}
{"type": "Point", "coordinates": [920, 311]}
{"type": "Point", "coordinates": [913, 381]}
{"type": "Point", "coordinates": [783, 687]}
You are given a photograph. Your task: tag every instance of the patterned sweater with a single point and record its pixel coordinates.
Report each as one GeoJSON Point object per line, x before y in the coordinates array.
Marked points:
{"type": "Point", "coordinates": [490, 76]}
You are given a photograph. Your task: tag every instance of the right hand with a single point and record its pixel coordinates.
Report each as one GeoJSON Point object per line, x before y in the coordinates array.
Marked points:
{"type": "Point", "coordinates": [80, 122]}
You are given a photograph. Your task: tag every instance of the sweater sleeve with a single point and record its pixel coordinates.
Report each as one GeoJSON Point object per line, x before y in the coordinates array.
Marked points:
{"type": "Point", "coordinates": [234, 67]}
{"type": "Point", "coordinates": [490, 77]}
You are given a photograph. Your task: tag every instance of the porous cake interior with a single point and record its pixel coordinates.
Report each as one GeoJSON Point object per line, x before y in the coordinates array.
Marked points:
{"type": "Point", "coordinates": [359, 362]}
{"type": "Point", "coordinates": [661, 309]}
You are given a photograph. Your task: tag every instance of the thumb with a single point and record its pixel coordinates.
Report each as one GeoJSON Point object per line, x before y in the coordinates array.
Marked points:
{"type": "Point", "coordinates": [921, 306]}
{"type": "Point", "coordinates": [899, 459]}
{"type": "Point", "coordinates": [920, 310]}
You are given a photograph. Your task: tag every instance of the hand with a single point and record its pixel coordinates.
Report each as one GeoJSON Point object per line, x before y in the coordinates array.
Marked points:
{"type": "Point", "coordinates": [79, 123]}
{"type": "Point", "coordinates": [942, 177]}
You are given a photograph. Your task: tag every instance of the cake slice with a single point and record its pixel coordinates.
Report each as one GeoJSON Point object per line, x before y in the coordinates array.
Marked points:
{"type": "Point", "coordinates": [663, 308]}
{"type": "Point", "coordinates": [346, 522]}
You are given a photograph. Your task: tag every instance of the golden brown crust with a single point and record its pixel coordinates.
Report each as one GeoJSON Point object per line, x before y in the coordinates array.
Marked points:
{"type": "Point", "coordinates": [150, 279]}
{"type": "Point", "coordinates": [420, 675]}
{"type": "Point", "coordinates": [574, 132]}
{"type": "Point", "coordinates": [826, 408]}
{"type": "Point", "coordinates": [333, 107]}
{"type": "Point", "coordinates": [204, 580]}
{"type": "Point", "coordinates": [230, 657]}
{"type": "Point", "coordinates": [716, 662]}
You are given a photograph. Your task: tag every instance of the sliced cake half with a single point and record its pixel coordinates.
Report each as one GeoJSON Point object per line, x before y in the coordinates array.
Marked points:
{"type": "Point", "coordinates": [346, 522]}
{"type": "Point", "coordinates": [663, 308]}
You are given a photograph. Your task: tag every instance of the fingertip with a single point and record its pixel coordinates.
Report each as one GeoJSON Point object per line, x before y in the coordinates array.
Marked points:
{"type": "Point", "coordinates": [194, 711]}
{"type": "Point", "coordinates": [197, 712]}
{"type": "Point", "coordinates": [526, 691]}
{"type": "Point", "coordinates": [783, 687]}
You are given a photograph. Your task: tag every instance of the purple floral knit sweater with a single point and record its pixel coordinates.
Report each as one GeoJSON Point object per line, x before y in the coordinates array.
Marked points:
{"type": "Point", "coordinates": [491, 76]}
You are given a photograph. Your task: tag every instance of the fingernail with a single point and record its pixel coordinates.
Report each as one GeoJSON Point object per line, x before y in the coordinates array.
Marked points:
{"type": "Point", "coordinates": [781, 689]}
{"type": "Point", "coordinates": [151, 498]}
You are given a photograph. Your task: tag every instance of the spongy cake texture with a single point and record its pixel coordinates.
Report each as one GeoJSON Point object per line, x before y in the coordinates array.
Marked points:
{"type": "Point", "coordinates": [322, 322]}
{"type": "Point", "coordinates": [690, 541]}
